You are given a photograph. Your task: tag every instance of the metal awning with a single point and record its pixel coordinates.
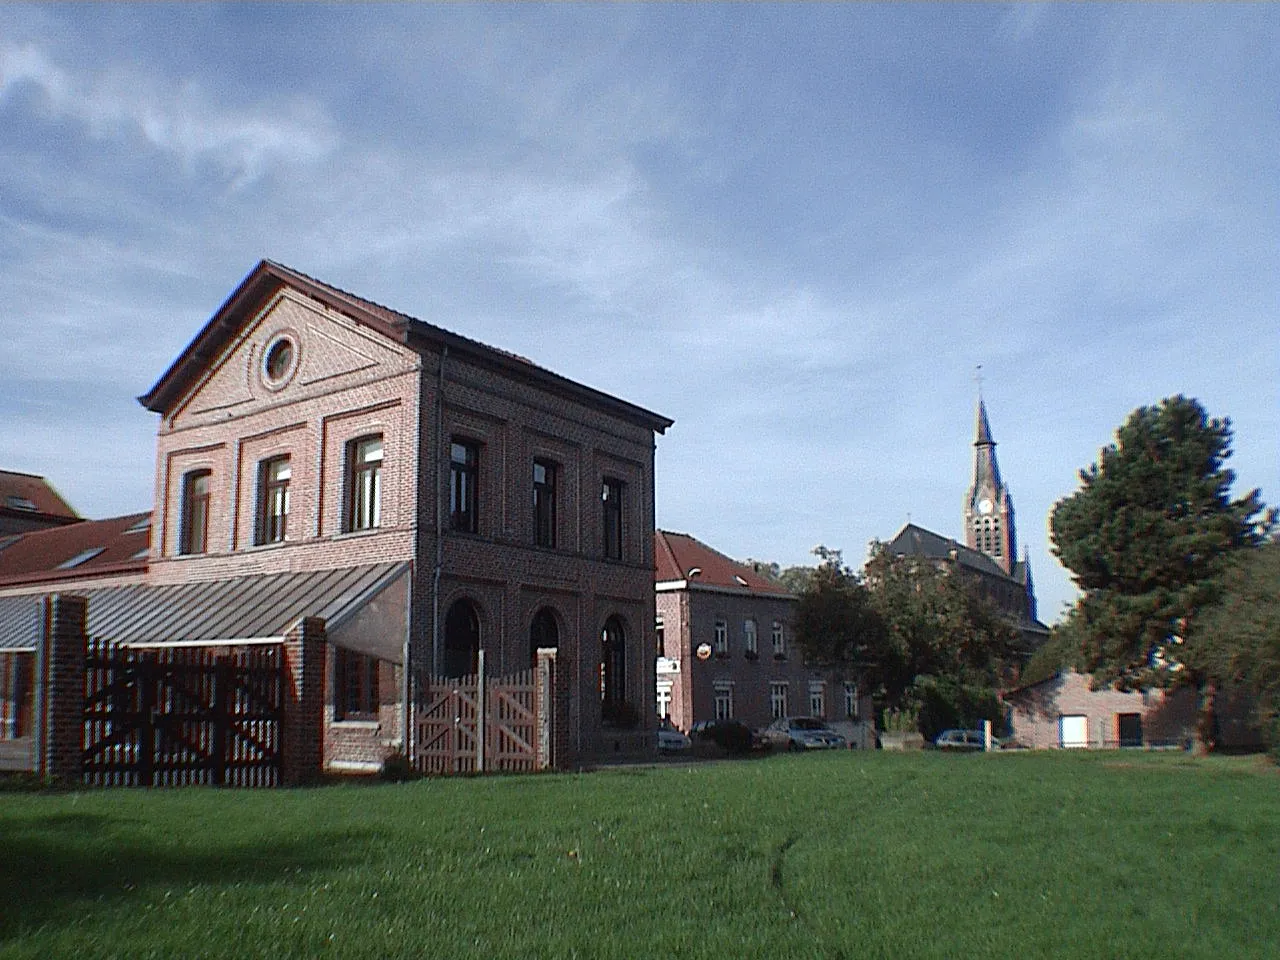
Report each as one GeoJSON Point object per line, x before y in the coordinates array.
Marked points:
{"type": "Point", "coordinates": [252, 609]}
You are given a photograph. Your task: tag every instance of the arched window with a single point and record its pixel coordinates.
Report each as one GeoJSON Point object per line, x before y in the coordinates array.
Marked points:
{"type": "Point", "coordinates": [613, 662]}
{"type": "Point", "coordinates": [543, 632]}
{"type": "Point", "coordinates": [461, 639]}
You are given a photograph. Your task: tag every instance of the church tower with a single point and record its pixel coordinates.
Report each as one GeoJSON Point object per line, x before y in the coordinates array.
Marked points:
{"type": "Point", "coordinates": [988, 509]}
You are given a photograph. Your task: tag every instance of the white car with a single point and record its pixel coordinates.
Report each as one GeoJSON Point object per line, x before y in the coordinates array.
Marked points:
{"type": "Point", "coordinates": [802, 733]}
{"type": "Point", "coordinates": [671, 740]}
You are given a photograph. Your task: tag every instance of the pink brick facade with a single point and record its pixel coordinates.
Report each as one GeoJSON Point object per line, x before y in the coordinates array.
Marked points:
{"type": "Point", "coordinates": [357, 371]}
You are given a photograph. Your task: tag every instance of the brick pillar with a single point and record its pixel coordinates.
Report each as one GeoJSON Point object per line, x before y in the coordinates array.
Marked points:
{"type": "Point", "coordinates": [302, 733]}
{"type": "Point", "coordinates": [551, 710]}
{"type": "Point", "coordinates": [60, 680]}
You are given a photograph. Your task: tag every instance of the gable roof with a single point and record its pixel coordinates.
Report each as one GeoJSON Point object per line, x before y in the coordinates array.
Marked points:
{"type": "Point", "coordinates": [104, 547]}
{"type": "Point", "coordinates": [686, 562]}
{"type": "Point", "coordinates": [29, 495]}
{"type": "Point", "coordinates": [269, 277]}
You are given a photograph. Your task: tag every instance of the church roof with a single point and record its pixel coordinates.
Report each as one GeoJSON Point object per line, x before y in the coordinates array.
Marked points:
{"type": "Point", "coordinates": [915, 541]}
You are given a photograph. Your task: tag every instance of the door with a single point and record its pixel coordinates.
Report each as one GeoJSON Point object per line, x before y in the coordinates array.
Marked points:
{"type": "Point", "coordinates": [1129, 727]}
{"type": "Point", "coordinates": [1073, 732]}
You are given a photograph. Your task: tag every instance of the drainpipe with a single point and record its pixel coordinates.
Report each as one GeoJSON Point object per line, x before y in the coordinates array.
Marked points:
{"type": "Point", "coordinates": [435, 576]}
{"type": "Point", "coordinates": [406, 681]}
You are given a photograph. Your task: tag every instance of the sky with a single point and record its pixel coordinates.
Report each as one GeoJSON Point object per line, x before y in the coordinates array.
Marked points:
{"type": "Point", "coordinates": [797, 230]}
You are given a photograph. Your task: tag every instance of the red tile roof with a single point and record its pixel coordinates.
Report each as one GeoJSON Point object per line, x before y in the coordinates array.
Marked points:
{"type": "Point", "coordinates": [38, 556]}
{"type": "Point", "coordinates": [678, 556]}
{"type": "Point", "coordinates": [25, 494]}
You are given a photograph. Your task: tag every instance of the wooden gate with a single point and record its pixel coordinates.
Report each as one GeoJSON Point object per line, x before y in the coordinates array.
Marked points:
{"type": "Point", "coordinates": [448, 720]}
{"type": "Point", "coordinates": [181, 716]}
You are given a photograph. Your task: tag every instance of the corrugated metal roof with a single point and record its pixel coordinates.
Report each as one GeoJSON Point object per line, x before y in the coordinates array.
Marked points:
{"type": "Point", "coordinates": [242, 608]}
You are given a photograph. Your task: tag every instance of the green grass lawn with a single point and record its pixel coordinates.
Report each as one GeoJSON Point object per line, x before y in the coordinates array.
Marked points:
{"type": "Point", "coordinates": [846, 854]}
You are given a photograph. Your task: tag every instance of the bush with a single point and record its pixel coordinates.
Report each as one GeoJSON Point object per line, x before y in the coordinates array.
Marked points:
{"type": "Point", "coordinates": [396, 769]}
{"type": "Point", "coordinates": [733, 738]}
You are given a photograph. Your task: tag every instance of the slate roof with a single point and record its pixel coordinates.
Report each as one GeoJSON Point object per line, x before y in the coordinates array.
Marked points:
{"type": "Point", "coordinates": [29, 495]}
{"type": "Point", "coordinates": [39, 555]}
{"type": "Point", "coordinates": [916, 541]}
{"type": "Point", "coordinates": [268, 277]}
{"type": "Point", "coordinates": [256, 607]}
{"type": "Point", "coordinates": [676, 557]}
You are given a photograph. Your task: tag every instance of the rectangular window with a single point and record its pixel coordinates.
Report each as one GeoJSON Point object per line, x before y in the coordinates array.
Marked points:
{"type": "Point", "coordinates": [273, 500]}
{"type": "Point", "coordinates": [193, 531]}
{"type": "Point", "coordinates": [364, 483]}
{"type": "Point", "coordinates": [721, 644]}
{"type": "Point", "coordinates": [750, 644]}
{"type": "Point", "coordinates": [778, 700]}
{"type": "Point", "coordinates": [724, 700]}
{"type": "Point", "coordinates": [464, 485]}
{"type": "Point", "coordinates": [660, 631]}
{"type": "Point", "coordinates": [664, 699]}
{"type": "Point", "coordinates": [779, 641]}
{"type": "Point", "coordinates": [544, 503]}
{"type": "Point", "coordinates": [851, 701]}
{"type": "Point", "coordinates": [355, 686]}
{"type": "Point", "coordinates": [611, 503]}
{"type": "Point", "coordinates": [817, 699]}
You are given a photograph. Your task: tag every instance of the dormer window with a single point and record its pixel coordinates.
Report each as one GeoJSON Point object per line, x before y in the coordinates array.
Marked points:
{"type": "Point", "coordinates": [14, 502]}
{"type": "Point", "coordinates": [81, 557]}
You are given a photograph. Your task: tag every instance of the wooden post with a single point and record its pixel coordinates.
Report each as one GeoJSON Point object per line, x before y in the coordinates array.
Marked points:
{"type": "Point", "coordinates": [481, 708]}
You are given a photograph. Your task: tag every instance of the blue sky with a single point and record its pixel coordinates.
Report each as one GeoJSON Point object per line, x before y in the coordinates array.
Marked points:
{"type": "Point", "coordinates": [794, 229]}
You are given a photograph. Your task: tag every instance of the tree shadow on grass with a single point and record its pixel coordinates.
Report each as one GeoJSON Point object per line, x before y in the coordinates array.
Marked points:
{"type": "Point", "coordinates": [53, 867]}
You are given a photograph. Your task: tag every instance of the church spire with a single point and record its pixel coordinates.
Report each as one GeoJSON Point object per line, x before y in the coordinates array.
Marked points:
{"type": "Point", "coordinates": [988, 509]}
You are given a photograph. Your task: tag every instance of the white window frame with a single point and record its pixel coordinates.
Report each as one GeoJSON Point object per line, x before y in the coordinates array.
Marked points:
{"type": "Point", "coordinates": [663, 698]}
{"type": "Point", "coordinates": [779, 640]}
{"type": "Point", "coordinates": [750, 637]}
{"type": "Point", "coordinates": [723, 690]}
{"type": "Point", "coordinates": [778, 699]}
{"type": "Point", "coordinates": [817, 698]}
{"type": "Point", "coordinates": [851, 700]}
{"type": "Point", "coordinates": [721, 642]}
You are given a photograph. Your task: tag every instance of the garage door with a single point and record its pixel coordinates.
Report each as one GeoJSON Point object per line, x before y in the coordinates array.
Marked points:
{"type": "Point", "coordinates": [1073, 731]}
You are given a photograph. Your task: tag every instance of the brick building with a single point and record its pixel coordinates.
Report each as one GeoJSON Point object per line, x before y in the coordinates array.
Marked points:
{"type": "Point", "coordinates": [29, 502]}
{"type": "Point", "coordinates": [478, 500]}
{"type": "Point", "coordinates": [1064, 711]}
{"type": "Point", "coordinates": [725, 648]}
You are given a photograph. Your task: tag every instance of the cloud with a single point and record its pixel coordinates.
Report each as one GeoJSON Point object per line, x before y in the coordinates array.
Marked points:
{"type": "Point", "coordinates": [181, 121]}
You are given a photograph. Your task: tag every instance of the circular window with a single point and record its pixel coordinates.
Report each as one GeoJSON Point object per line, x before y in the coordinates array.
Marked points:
{"type": "Point", "coordinates": [279, 362]}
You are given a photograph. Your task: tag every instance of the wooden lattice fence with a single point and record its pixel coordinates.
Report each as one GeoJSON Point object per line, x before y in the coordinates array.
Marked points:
{"type": "Point", "coordinates": [450, 737]}
{"type": "Point", "coordinates": [177, 716]}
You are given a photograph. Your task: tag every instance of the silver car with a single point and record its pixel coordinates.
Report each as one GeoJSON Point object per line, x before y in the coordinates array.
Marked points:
{"type": "Point", "coordinates": [802, 733]}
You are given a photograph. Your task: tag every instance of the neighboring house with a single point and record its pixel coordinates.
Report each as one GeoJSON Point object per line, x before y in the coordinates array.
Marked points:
{"type": "Point", "coordinates": [73, 556]}
{"type": "Point", "coordinates": [29, 502]}
{"type": "Point", "coordinates": [319, 454]}
{"type": "Point", "coordinates": [1064, 712]}
{"type": "Point", "coordinates": [988, 559]}
{"type": "Point", "coordinates": [725, 648]}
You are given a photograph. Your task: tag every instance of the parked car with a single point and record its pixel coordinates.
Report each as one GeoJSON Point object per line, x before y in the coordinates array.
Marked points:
{"type": "Point", "coordinates": [802, 733]}
{"type": "Point", "coordinates": [962, 741]}
{"type": "Point", "coordinates": [671, 740]}
{"type": "Point", "coordinates": [732, 736]}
